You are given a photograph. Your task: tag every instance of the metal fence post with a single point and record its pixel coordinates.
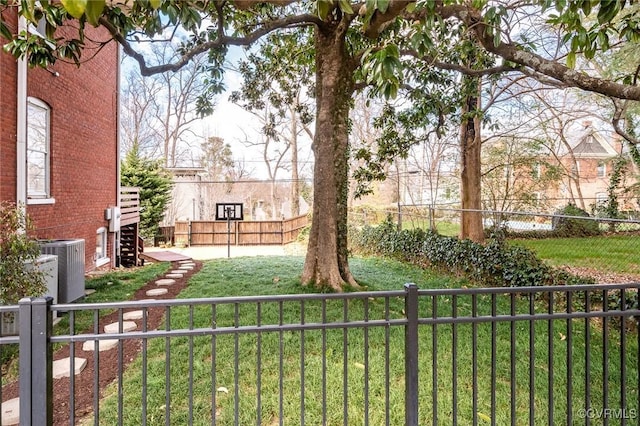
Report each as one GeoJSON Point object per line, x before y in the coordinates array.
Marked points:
{"type": "Point", "coordinates": [36, 361]}
{"type": "Point", "coordinates": [411, 354]}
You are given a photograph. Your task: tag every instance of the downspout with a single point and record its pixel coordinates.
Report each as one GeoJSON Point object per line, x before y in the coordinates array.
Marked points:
{"type": "Point", "coordinates": [21, 130]}
{"type": "Point", "coordinates": [116, 235]}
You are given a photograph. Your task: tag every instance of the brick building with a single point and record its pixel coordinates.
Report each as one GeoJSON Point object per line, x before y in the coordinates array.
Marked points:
{"type": "Point", "coordinates": [59, 151]}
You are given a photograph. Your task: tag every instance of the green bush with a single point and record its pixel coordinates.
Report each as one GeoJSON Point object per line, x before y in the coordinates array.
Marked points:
{"type": "Point", "coordinates": [16, 250]}
{"type": "Point", "coordinates": [493, 264]}
{"type": "Point", "coordinates": [572, 226]}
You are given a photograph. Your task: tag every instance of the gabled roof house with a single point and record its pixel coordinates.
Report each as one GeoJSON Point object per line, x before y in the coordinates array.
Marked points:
{"type": "Point", "coordinates": [59, 153]}
{"type": "Point", "coordinates": [587, 167]}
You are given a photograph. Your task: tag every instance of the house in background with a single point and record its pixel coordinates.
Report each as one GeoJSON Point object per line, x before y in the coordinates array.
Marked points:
{"type": "Point", "coordinates": [586, 169]}
{"type": "Point", "coordinates": [59, 153]}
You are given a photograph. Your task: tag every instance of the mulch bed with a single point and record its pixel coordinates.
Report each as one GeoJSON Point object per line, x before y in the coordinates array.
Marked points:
{"type": "Point", "coordinates": [108, 362]}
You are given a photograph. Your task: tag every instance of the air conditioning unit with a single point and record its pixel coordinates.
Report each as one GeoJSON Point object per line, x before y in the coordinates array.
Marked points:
{"type": "Point", "coordinates": [48, 265]}
{"type": "Point", "coordinates": [70, 267]}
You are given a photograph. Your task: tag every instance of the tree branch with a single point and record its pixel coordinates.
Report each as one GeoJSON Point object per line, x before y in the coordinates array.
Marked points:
{"type": "Point", "coordinates": [222, 40]}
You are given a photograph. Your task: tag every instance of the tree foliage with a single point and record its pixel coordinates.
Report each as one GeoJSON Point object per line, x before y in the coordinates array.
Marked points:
{"type": "Point", "coordinates": [155, 188]}
{"type": "Point", "coordinates": [19, 274]}
{"type": "Point", "coordinates": [371, 43]}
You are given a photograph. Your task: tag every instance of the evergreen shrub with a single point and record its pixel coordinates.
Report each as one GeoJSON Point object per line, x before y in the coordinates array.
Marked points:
{"type": "Point", "coordinates": [495, 263]}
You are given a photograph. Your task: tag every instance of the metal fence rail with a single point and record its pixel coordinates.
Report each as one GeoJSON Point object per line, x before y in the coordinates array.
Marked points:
{"type": "Point", "coordinates": [535, 355]}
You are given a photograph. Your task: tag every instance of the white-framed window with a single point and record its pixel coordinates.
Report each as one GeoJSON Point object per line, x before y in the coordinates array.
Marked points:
{"type": "Point", "coordinates": [38, 149]}
{"type": "Point", "coordinates": [601, 169]}
{"type": "Point", "coordinates": [575, 169]}
{"type": "Point", "coordinates": [101, 247]}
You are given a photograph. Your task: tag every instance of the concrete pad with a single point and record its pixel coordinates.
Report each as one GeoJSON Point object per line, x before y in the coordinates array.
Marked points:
{"type": "Point", "coordinates": [114, 327]}
{"type": "Point", "coordinates": [164, 281]}
{"type": "Point", "coordinates": [133, 315]}
{"type": "Point", "coordinates": [163, 256]}
{"type": "Point", "coordinates": [62, 367]}
{"type": "Point", "coordinates": [103, 345]}
{"type": "Point", "coordinates": [157, 292]}
{"type": "Point", "coordinates": [11, 412]}
{"type": "Point", "coordinates": [174, 276]}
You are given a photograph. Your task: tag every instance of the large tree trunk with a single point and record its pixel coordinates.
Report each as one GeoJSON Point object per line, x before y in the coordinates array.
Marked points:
{"type": "Point", "coordinates": [470, 153]}
{"type": "Point", "coordinates": [326, 263]}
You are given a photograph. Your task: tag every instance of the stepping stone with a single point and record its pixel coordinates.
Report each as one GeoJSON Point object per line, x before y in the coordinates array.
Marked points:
{"type": "Point", "coordinates": [62, 367]}
{"type": "Point", "coordinates": [174, 276]}
{"type": "Point", "coordinates": [186, 267]}
{"type": "Point", "coordinates": [11, 412]}
{"type": "Point", "coordinates": [133, 315]}
{"type": "Point", "coordinates": [114, 327]}
{"type": "Point", "coordinates": [157, 292]}
{"type": "Point", "coordinates": [89, 291]}
{"type": "Point", "coordinates": [164, 281]}
{"type": "Point", "coordinates": [103, 345]}
{"type": "Point", "coordinates": [185, 261]}
{"type": "Point", "coordinates": [177, 271]}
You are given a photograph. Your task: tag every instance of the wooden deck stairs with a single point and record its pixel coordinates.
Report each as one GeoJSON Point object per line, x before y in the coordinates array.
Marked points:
{"type": "Point", "coordinates": [131, 244]}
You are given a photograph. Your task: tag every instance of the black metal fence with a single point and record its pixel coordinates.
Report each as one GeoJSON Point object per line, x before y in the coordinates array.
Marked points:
{"type": "Point", "coordinates": [535, 355]}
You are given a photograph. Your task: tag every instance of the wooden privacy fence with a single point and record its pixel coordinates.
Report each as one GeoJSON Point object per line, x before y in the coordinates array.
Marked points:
{"type": "Point", "coordinates": [215, 232]}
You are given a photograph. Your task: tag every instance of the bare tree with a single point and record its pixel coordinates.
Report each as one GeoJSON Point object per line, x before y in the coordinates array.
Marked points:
{"type": "Point", "coordinates": [138, 110]}
{"type": "Point", "coordinates": [160, 111]}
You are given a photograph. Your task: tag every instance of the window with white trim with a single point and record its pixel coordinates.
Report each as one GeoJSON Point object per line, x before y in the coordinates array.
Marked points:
{"type": "Point", "coordinates": [575, 169]}
{"type": "Point", "coordinates": [601, 169]}
{"type": "Point", "coordinates": [38, 149]}
{"type": "Point", "coordinates": [101, 247]}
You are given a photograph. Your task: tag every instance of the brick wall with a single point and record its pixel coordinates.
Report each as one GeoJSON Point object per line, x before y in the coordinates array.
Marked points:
{"type": "Point", "coordinates": [8, 83]}
{"type": "Point", "coordinates": [84, 152]}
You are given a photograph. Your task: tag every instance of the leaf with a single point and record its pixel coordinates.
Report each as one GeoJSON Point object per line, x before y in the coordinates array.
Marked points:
{"type": "Point", "coordinates": [28, 9]}
{"type": "Point", "coordinates": [4, 31]}
{"type": "Point", "coordinates": [345, 6]}
{"type": "Point", "coordinates": [484, 417]}
{"type": "Point", "coordinates": [383, 5]}
{"type": "Point", "coordinates": [155, 4]}
{"type": "Point", "coordinates": [324, 8]}
{"type": "Point", "coordinates": [75, 8]}
{"type": "Point", "coordinates": [94, 11]}
{"type": "Point", "coordinates": [359, 365]}
{"type": "Point", "coordinates": [608, 10]}
{"type": "Point", "coordinates": [571, 60]}
{"type": "Point", "coordinates": [223, 389]}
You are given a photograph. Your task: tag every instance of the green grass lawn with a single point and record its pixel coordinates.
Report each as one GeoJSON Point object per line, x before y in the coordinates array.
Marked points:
{"type": "Point", "coordinates": [339, 359]}
{"type": "Point", "coordinates": [618, 253]}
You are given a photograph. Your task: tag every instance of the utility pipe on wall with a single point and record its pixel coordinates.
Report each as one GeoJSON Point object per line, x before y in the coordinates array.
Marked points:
{"type": "Point", "coordinates": [21, 130]}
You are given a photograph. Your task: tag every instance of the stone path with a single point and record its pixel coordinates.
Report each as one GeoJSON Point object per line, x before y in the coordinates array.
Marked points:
{"type": "Point", "coordinates": [62, 368]}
